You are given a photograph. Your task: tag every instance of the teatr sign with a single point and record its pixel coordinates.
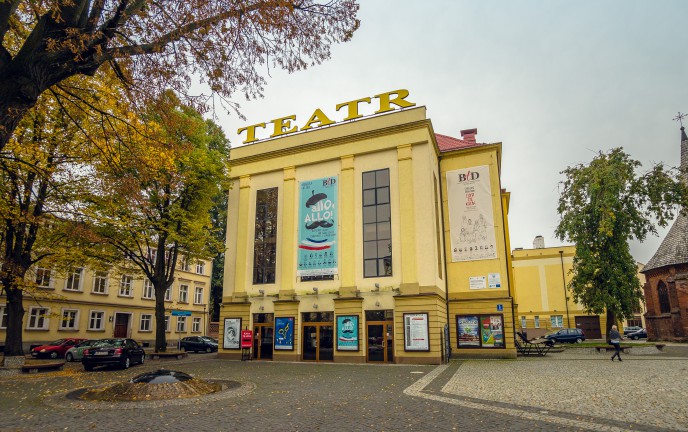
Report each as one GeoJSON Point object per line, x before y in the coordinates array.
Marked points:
{"type": "Point", "coordinates": [284, 125]}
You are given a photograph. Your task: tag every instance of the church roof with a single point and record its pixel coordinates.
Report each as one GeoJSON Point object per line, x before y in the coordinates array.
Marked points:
{"type": "Point", "coordinates": [674, 247]}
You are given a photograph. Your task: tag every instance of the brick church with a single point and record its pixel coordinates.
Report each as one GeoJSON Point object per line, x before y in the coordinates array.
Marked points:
{"type": "Point", "coordinates": [666, 289]}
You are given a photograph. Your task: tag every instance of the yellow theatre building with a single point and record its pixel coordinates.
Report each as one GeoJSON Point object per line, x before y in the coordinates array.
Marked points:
{"type": "Point", "coordinates": [366, 239]}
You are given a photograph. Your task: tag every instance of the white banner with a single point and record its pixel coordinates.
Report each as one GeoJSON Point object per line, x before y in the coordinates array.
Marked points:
{"type": "Point", "coordinates": [471, 223]}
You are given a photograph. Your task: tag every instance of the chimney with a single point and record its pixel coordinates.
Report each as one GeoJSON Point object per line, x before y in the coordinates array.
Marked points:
{"type": "Point", "coordinates": [468, 135]}
{"type": "Point", "coordinates": [539, 242]}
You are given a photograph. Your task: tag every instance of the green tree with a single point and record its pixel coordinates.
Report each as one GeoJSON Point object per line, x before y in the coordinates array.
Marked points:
{"type": "Point", "coordinates": [218, 214]}
{"type": "Point", "coordinates": [604, 205]}
{"type": "Point", "coordinates": [153, 205]}
{"type": "Point", "coordinates": [155, 45]}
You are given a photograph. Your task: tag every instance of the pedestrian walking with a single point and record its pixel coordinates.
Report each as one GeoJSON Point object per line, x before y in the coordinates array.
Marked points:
{"type": "Point", "coordinates": [615, 340]}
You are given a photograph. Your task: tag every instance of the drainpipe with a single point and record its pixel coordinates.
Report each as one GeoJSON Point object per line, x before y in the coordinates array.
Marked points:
{"type": "Point", "coordinates": [563, 279]}
{"type": "Point", "coordinates": [444, 254]}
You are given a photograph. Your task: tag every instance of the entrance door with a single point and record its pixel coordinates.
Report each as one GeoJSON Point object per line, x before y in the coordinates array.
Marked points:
{"type": "Point", "coordinates": [318, 342]}
{"type": "Point", "coordinates": [262, 341]}
{"type": "Point", "coordinates": [121, 325]}
{"type": "Point", "coordinates": [380, 347]}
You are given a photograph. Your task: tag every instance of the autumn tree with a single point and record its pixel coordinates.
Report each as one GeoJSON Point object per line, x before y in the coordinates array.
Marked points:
{"type": "Point", "coordinates": [155, 45]}
{"type": "Point", "coordinates": [154, 204]}
{"type": "Point", "coordinates": [604, 205]}
{"type": "Point", "coordinates": [218, 215]}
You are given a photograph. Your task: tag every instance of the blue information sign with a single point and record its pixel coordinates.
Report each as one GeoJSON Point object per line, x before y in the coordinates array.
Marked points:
{"type": "Point", "coordinates": [500, 307]}
{"type": "Point", "coordinates": [181, 313]}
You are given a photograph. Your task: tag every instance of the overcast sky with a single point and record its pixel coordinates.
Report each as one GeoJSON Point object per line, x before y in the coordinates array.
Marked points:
{"type": "Point", "coordinates": [554, 81]}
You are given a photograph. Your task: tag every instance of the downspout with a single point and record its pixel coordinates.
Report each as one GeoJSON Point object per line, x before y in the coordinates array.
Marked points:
{"type": "Point", "coordinates": [507, 253]}
{"type": "Point", "coordinates": [563, 279]}
{"type": "Point", "coordinates": [444, 250]}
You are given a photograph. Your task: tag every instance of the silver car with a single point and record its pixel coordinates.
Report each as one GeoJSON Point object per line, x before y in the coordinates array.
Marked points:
{"type": "Point", "coordinates": [76, 353]}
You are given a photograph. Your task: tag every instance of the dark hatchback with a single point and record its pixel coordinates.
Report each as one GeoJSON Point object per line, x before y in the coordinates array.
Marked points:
{"type": "Point", "coordinates": [198, 343]}
{"type": "Point", "coordinates": [640, 334]}
{"type": "Point", "coordinates": [572, 335]}
{"type": "Point", "coordinates": [113, 352]}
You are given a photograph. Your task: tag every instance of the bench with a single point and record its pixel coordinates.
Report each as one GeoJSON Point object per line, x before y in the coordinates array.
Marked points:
{"type": "Point", "coordinates": [623, 349]}
{"type": "Point", "coordinates": [168, 355]}
{"type": "Point", "coordinates": [35, 367]}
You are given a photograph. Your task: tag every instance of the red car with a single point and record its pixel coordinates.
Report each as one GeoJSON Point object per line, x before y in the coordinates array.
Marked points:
{"type": "Point", "coordinates": [56, 349]}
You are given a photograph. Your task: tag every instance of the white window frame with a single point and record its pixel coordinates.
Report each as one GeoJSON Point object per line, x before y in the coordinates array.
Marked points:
{"type": "Point", "coordinates": [196, 325]}
{"type": "Point", "coordinates": [537, 321]}
{"type": "Point", "coordinates": [168, 294]}
{"type": "Point", "coordinates": [167, 323]}
{"type": "Point", "coordinates": [181, 324]}
{"type": "Point", "coordinates": [146, 318]}
{"type": "Point", "coordinates": [101, 279]}
{"type": "Point", "coordinates": [4, 316]}
{"type": "Point", "coordinates": [148, 290]}
{"type": "Point", "coordinates": [557, 321]}
{"type": "Point", "coordinates": [198, 295]}
{"type": "Point", "coordinates": [184, 264]}
{"type": "Point", "coordinates": [64, 326]}
{"type": "Point", "coordinates": [152, 255]}
{"type": "Point", "coordinates": [34, 319]}
{"type": "Point", "coordinates": [91, 316]}
{"type": "Point", "coordinates": [183, 293]}
{"type": "Point", "coordinates": [523, 322]}
{"type": "Point", "coordinates": [41, 271]}
{"type": "Point", "coordinates": [69, 280]}
{"type": "Point", "coordinates": [126, 286]}
{"type": "Point", "coordinates": [200, 267]}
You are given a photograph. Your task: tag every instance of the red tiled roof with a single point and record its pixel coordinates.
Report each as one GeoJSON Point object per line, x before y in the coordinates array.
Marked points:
{"type": "Point", "coordinates": [447, 143]}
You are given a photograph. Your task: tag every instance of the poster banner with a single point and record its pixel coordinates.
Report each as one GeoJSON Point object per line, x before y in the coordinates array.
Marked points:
{"type": "Point", "coordinates": [497, 329]}
{"type": "Point", "coordinates": [468, 329]}
{"type": "Point", "coordinates": [416, 332]}
{"type": "Point", "coordinates": [232, 333]}
{"type": "Point", "coordinates": [284, 331]}
{"type": "Point", "coordinates": [486, 329]}
{"type": "Point", "coordinates": [471, 221]}
{"type": "Point", "coordinates": [318, 221]}
{"type": "Point", "coordinates": [347, 332]}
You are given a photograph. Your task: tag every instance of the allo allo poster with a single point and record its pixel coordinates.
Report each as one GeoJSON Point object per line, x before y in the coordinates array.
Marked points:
{"type": "Point", "coordinates": [471, 219]}
{"type": "Point", "coordinates": [317, 232]}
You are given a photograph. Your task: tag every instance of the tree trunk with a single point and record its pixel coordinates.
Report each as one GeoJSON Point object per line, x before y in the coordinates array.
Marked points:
{"type": "Point", "coordinates": [160, 337]}
{"type": "Point", "coordinates": [611, 320]}
{"type": "Point", "coordinates": [15, 318]}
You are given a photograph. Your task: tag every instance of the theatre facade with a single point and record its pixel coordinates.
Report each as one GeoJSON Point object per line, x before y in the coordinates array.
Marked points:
{"type": "Point", "coordinates": [370, 240]}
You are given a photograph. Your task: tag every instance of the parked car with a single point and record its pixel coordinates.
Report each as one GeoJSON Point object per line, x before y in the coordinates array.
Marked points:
{"type": "Point", "coordinates": [566, 335]}
{"type": "Point", "coordinates": [76, 352]}
{"type": "Point", "coordinates": [631, 329]}
{"type": "Point", "coordinates": [640, 334]}
{"type": "Point", "coordinates": [198, 343]}
{"type": "Point", "coordinates": [56, 349]}
{"type": "Point", "coordinates": [118, 352]}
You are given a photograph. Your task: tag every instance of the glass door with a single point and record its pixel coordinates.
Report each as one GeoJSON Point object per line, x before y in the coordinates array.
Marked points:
{"type": "Point", "coordinates": [310, 343]}
{"type": "Point", "coordinates": [326, 346]}
{"type": "Point", "coordinates": [380, 347]}
{"type": "Point", "coordinates": [262, 341]}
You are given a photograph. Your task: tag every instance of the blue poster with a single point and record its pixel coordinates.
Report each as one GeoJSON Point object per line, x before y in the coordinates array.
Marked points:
{"type": "Point", "coordinates": [347, 332]}
{"type": "Point", "coordinates": [318, 227]}
{"type": "Point", "coordinates": [284, 333]}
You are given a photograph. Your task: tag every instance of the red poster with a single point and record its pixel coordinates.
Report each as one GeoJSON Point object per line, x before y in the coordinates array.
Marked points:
{"type": "Point", "coordinates": [246, 338]}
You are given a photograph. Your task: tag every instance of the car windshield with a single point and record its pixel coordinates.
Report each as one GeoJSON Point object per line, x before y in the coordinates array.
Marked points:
{"type": "Point", "coordinates": [57, 342]}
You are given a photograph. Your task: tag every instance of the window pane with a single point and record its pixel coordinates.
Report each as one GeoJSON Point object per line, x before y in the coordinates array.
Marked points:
{"type": "Point", "coordinates": [369, 232]}
{"type": "Point", "coordinates": [383, 195]}
{"type": "Point", "coordinates": [383, 213]}
{"type": "Point", "coordinates": [385, 266]}
{"type": "Point", "coordinates": [384, 231]}
{"type": "Point", "coordinates": [369, 214]}
{"type": "Point", "coordinates": [370, 268]}
{"type": "Point", "coordinates": [384, 248]}
{"type": "Point", "coordinates": [369, 249]}
{"type": "Point", "coordinates": [369, 180]}
{"type": "Point", "coordinates": [382, 178]}
{"type": "Point", "coordinates": [369, 197]}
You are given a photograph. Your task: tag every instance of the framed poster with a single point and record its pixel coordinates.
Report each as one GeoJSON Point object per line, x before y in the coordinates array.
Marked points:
{"type": "Point", "coordinates": [497, 330]}
{"type": "Point", "coordinates": [480, 331]}
{"type": "Point", "coordinates": [284, 333]}
{"type": "Point", "coordinates": [317, 227]}
{"type": "Point", "coordinates": [416, 332]}
{"type": "Point", "coordinates": [347, 333]}
{"type": "Point", "coordinates": [468, 331]}
{"type": "Point", "coordinates": [232, 339]}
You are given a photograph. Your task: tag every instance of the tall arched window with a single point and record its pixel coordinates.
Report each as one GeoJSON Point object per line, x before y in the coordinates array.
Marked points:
{"type": "Point", "coordinates": [663, 295]}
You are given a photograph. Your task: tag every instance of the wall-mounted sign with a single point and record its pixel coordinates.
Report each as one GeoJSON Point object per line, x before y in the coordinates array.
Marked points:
{"type": "Point", "coordinates": [246, 339]}
{"type": "Point", "coordinates": [181, 313]}
{"type": "Point", "coordinates": [232, 333]}
{"type": "Point", "coordinates": [347, 333]}
{"type": "Point", "coordinates": [318, 222]}
{"type": "Point", "coordinates": [283, 125]}
{"type": "Point", "coordinates": [500, 307]}
{"type": "Point", "coordinates": [494, 280]}
{"type": "Point", "coordinates": [416, 332]}
{"type": "Point", "coordinates": [471, 222]}
{"type": "Point", "coordinates": [476, 282]}
{"type": "Point", "coordinates": [284, 333]}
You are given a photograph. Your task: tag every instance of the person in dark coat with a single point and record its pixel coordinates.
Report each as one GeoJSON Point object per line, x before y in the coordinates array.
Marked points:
{"type": "Point", "coordinates": [615, 340]}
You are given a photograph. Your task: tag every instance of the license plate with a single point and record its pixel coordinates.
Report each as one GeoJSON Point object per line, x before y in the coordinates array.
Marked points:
{"type": "Point", "coordinates": [101, 353]}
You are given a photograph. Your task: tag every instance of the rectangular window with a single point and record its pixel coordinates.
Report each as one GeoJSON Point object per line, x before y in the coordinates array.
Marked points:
{"type": "Point", "coordinates": [3, 316]}
{"type": "Point", "coordinates": [147, 289]}
{"type": "Point", "coordinates": [100, 282]}
{"type": "Point", "coordinates": [152, 255]}
{"type": "Point", "coordinates": [96, 320]}
{"type": "Point", "coordinates": [181, 324]}
{"type": "Point", "coordinates": [198, 296]}
{"type": "Point", "coordinates": [146, 320]}
{"type": "Point", "coordinates": [70, 319]}
{"type": "Point", "coordinates": [377, 224]}
{"type": "Point", "coordinates": [167, 323]}
{"type": "Point", "coordinates": [200, 267]}
{"type": "Point", "coordinates": [183, 293]}
{"type": "Point", "coordinates": [125, 286]}
{"type": "Point", "coordinates": [43, 278]}
{"type": "Point", "coordinates": [38, 318]}
{"type": "Point", "coordinates": [73, 282]}
{"type": "Point", "coordinates": [168, 294]}
{"type": "Point", "coordinates": [196, 325]}
{"type": "Point", "coordinates": [265, 238]}
{"type": "Point", "coordinates": [184, 263]}
{"type": "Point", "coordinates": [557, 321]}
{"type": "Point", "coordinates": [523, 322]}
{"type": "Point", "coordinates": [537, 321]}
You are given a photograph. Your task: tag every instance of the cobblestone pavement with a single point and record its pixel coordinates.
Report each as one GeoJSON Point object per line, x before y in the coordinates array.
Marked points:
{"type": "Point", "coordinates": [525, 394]}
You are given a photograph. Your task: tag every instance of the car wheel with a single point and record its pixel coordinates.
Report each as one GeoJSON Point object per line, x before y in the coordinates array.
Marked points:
{"type": "Point", "coordinates": [208, 350]}
{"type": "Point", "coordinates": [53, 355]}
{"type": "Point", "coordinates": [127, 363]}
{"type": "Point", "coordinates": [88, 368]}
{"type": "Point", "coordinates": [69, 357]}
{"type": "Point", "coordinates": [634, 337]}
{"type": "Point", "coordinates": [579, 340]}
{"type": "Point", "coordinates": [553, 340]}
{"type": "Point", "coordinates": [183, 348]}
